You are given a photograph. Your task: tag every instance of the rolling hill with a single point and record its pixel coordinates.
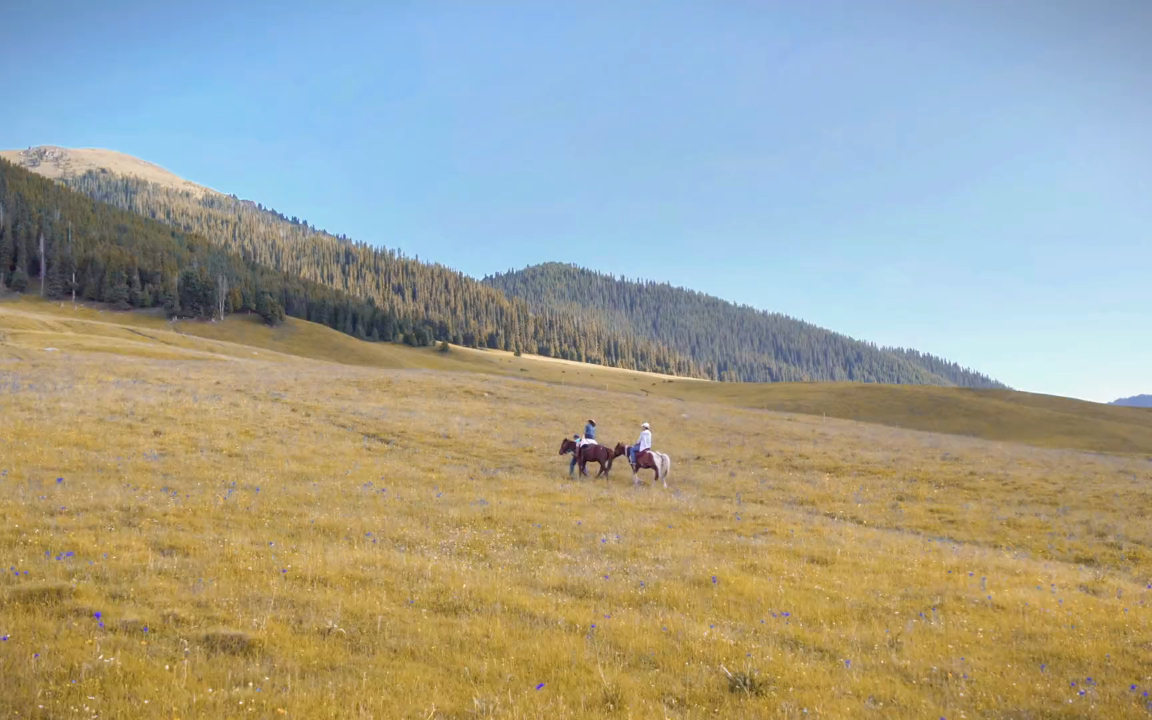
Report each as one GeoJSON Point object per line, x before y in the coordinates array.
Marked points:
{"type": "Point", "coordinates": [999, 415]}
{"type": "Point", "coordinates": [692, 335]}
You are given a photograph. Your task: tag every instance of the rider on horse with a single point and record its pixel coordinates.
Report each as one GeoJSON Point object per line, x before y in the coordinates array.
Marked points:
{"type": "Point", "coordinates": [589, 437]}
{"type": "Point", "coordinates": [642, 444]}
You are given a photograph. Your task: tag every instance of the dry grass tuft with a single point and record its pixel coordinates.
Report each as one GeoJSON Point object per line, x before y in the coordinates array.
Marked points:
{"type": "Point", "coordinates": [746, 682]}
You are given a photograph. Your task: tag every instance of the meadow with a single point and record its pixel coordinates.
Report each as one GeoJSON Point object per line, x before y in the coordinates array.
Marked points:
{"type": "Point", "coordinates": [230, 521]}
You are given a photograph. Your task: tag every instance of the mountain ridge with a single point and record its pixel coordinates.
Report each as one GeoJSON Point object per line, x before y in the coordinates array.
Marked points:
{"type": "Point", "coordinates": [60, 163]}
{"type": "Point", "coordinates": [1141, 401]}
{"type": "Point", "coordinates": [724, 341]}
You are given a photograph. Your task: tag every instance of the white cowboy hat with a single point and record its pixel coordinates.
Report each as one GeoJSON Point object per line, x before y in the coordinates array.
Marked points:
{"type": "Point", "coordinates": [645, 426]}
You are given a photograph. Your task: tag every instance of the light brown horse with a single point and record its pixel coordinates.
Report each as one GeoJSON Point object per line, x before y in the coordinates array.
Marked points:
{"type": "Point", "coordinates": [657, 462]}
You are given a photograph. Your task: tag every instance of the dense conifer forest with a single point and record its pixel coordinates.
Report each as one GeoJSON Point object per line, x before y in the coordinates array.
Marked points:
{"type": "Point", "coordinates": [134, 243]}
{"type": "Point", "coordinates": [731, 342]}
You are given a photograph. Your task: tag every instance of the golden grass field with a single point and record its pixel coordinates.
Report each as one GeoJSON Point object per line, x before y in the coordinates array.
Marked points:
{"type": "Point", "coordinates": [199, 521]}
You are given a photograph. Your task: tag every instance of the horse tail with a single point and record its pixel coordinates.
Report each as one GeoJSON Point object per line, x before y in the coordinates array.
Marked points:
{"type": "Point", "coordinates": [665, 466]}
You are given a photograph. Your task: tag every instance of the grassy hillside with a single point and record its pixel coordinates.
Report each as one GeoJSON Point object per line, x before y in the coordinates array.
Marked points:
{"type": "Point", "coordinates": [1009, 416]}
{"type": "Point", "coordinates": [189, 529]}
{"type": "Point", "coordinates": [1006, 416]}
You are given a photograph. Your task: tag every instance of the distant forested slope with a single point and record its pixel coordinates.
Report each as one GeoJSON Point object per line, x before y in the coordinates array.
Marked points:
{"type": "Point", "coordinates": [731, 342]}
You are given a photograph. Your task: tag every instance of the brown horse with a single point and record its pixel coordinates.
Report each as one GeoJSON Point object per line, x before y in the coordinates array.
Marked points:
{"type": "Point", "coordinates": [590, 453]}
{"type": "Point", "coordinates": [658, 463]}
{"type": "Point", "coordinates": [598, 453]}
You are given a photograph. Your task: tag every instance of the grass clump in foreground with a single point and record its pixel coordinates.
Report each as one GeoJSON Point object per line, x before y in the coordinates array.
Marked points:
{"type": "Point", "coordinates": [314, 540]}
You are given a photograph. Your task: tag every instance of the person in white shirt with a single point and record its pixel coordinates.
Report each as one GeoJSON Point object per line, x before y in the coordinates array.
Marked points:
{"type": "Point", "coordinates": [642, 444]}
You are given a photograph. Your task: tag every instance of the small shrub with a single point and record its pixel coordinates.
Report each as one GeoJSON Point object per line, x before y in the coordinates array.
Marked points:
{"type": "Point", "coordinates": [745, 683]}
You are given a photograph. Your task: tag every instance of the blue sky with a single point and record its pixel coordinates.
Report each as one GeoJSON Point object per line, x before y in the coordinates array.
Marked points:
{"type": "Point", "coordinates": [973, 180]}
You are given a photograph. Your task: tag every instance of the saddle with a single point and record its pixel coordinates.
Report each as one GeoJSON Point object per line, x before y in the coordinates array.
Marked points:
{"type": "Point", "coordinates": [642, 454]}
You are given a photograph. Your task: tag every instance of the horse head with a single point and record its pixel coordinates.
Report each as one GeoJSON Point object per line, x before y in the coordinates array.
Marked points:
{"type": "Point", "coordinates": [619, 450]}
{"type": "Point", "coordinates": [566, 446]}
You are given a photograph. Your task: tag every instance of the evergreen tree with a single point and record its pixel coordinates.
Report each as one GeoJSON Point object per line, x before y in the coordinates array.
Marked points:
{"type": "Point", "coordinates": [269, 309]}
{"type": "Point", "coordinates": [117, 293]}
{"type": "Point", "coordinates": [197, 293]}
{"type": "Point", "coordinates": [135, 290]}
{"type": "Point", "coordinates": [19, 281]}
{"type": "Point", "coordinates": [7, 246]}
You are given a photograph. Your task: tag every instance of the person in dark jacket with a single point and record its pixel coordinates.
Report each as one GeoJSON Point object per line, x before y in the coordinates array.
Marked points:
{"type": "Point", "coordinates": [589, 436]}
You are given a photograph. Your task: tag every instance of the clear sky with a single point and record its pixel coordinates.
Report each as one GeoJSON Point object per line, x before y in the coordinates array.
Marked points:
{"type": "Point", "coordinates": [968, 177]}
